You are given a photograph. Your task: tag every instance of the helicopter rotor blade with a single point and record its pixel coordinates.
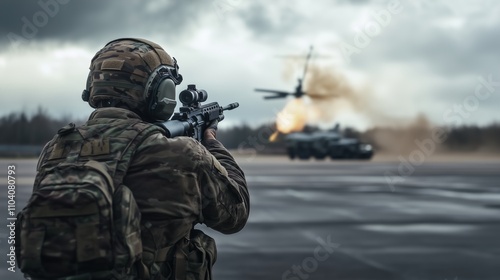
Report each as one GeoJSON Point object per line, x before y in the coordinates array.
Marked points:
{"type": "Point", "coordinates": [307, 61]}
{"type": "Point", "coordinates": [274, 96]}
{"type": "Point", "coordinates": [278, 92]}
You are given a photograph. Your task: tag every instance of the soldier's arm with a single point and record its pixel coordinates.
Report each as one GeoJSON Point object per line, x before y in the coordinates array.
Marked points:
{"type": "Point", "coordinates": [184, 171]}
{"type": "Point", "coordinates": [225, 198]}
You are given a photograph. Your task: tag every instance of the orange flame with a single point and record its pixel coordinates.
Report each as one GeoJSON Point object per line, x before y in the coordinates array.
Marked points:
{"type": "Point", "coordinates": [293, 117]}
{"type": "Point", "coordinates": [274, 136]}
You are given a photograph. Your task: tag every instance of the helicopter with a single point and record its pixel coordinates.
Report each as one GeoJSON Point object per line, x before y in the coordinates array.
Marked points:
{"type": "Point", "coordinates": [299, 91]}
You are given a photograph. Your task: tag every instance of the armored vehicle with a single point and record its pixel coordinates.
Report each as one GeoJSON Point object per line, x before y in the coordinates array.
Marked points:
{"type": "Point", "coordinates": [323, 144]}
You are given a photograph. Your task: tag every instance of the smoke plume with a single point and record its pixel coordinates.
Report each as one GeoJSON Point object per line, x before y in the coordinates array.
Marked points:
{"type": "Point", "coordinates": [329, 94]}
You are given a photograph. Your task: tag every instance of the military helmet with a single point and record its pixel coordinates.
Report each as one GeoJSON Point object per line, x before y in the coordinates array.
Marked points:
{"type": "Point", "coordinates": [136, 73]}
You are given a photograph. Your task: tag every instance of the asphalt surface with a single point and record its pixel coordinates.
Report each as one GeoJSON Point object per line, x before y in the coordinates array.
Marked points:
{"type": "Point", "coordinates": [348, 220]}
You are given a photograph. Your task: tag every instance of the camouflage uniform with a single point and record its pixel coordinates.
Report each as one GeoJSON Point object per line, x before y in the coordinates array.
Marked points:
{"type": "Point", "coordinates": [177, 183]}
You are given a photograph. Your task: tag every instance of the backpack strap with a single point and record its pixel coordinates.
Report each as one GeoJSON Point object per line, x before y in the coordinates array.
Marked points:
{"type": "Point", "coordinates": [181, 258]}
{"type": "Point", "coordinates": [122, 164]}
{"type": "Point", "coordinates": [99, 167]}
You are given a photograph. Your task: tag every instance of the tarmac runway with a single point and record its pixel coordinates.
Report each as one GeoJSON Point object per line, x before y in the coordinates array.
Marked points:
{"type": "Point", "coordinates": [348, 220]}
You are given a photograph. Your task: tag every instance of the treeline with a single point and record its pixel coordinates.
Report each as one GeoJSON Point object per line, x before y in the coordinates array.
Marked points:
{"type": "Point", "coordinates": [37, 129]}
{"type": "Point", "coordinates": [21, 129]}
{"type": "Point", "coordinates": [473, 138]}
{"type": "Point", "coordinates": [466, 138]}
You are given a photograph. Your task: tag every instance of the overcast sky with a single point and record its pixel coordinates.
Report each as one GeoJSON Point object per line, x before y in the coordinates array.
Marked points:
{"type": "Point", "coordinates": [413, 57]}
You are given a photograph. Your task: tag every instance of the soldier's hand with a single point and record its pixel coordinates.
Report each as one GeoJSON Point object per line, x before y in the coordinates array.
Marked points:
{"type": "Point", "coordinates": [211, 130]}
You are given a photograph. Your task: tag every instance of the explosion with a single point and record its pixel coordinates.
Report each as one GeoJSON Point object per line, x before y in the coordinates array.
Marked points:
{"type": "Point", "coordinates": [327, 93]}
{"type": "Point", "coordinates": [293, 117]}
{"type": "Point", "coordinates": [330, 94]}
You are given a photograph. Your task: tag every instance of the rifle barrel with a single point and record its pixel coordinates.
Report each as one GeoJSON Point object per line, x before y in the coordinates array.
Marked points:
{"type": "Point", "coordinates": [231, 106]}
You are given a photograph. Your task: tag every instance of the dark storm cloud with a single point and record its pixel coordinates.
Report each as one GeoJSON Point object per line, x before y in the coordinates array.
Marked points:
{"type": "Point", "coordinates": [445, 53]}
{"type": "Point", "coordinates": [473, 48]}
{"type": "Point", "coordinates": [264, 24]}
{"type": "Point", "coordinates": [95, 21]}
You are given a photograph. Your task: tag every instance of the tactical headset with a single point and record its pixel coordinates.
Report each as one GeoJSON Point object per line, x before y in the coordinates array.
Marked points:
{"type": "Point", "coordinates": [159, 90]}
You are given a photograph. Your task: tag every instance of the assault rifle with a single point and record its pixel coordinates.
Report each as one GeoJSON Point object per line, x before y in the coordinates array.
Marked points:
{"type": "Point", "coordinates": [193, 118]}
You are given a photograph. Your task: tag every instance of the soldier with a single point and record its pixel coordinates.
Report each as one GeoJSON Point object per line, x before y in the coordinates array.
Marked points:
{"type": "Point", "coordinates": [177, 183]}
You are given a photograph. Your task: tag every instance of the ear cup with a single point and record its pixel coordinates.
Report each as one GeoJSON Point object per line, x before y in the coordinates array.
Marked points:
{"type": "Point", "coordinates": [85, 95]}
{"type": "Point", "coordinates": [163, 101]}
{"type": "Point", "coordinates": [86, 91]}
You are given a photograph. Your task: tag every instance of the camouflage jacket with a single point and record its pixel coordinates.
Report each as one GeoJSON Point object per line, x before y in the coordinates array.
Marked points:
{"type": "Point", "coordinates": [176, 182]}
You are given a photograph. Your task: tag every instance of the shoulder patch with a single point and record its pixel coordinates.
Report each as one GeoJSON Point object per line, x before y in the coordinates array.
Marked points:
{"type": "Point", "coordinates": [95, 147]}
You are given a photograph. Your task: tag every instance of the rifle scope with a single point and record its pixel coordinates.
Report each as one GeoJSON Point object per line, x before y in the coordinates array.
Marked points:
{"type": "Point", "coordinates": [191, 95]}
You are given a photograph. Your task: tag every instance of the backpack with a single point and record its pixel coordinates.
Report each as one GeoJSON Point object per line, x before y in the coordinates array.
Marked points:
{"type": "Point", "coordinates": [81, 222]}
